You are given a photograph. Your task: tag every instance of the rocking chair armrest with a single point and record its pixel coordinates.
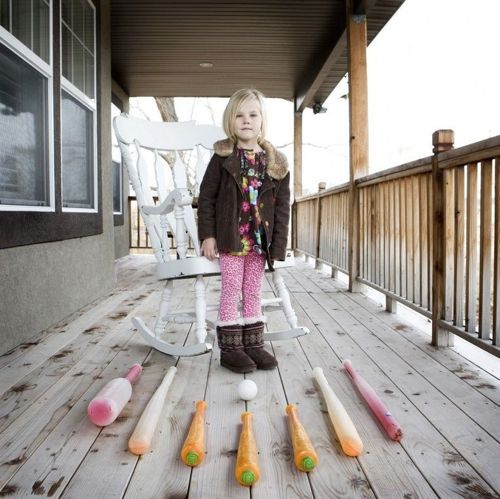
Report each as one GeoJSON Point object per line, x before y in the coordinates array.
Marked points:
{"type": "Point", "coordinates": [180, 197]}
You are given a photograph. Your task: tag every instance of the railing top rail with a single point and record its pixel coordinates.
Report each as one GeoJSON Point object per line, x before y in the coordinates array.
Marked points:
{"type": "Point", "coordinates": [326, 192]}
{"type": "Point", "coordinates": [423, 165]}
{"type": "Point", "coordinates": [478, 151]}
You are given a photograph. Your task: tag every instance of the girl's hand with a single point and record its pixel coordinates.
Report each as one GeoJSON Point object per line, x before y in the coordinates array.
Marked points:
{"type": "Point", "coordinates": [209, 248]}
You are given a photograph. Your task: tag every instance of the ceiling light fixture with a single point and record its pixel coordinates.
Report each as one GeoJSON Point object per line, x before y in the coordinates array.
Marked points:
{"type": "Point", "coordinates": [206, 65]}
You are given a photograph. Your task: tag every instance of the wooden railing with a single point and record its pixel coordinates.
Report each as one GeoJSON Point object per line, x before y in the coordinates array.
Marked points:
{"type": "Point", "coordinates": [323, 232]}
{"type": "Point", "coordinates": [429, 237]}
{"type": "Point", "coordinates": [138, 234]}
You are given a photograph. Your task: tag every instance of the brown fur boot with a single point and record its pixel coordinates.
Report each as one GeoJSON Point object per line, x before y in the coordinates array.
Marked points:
{"type": "Point", "coordinates": [232, 355]}
{"type": "Point", "coordinates": [253, 342]}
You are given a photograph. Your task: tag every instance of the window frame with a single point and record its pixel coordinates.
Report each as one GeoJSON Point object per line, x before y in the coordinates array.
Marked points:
{"type": "Point", "coordinates": [117, 215]}
{"type": "Point", "coordinates": [22, 228]}
{"type": "Point", "coordinates": [22, 51]}
{"type": "Point", "coordinates": [90, 104]}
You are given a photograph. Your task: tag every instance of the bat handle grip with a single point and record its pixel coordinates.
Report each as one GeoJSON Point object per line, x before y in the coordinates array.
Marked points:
{"type": "Point", "coordinates": [348, 367]}
{"type": "Point", "coordinates": [134, 373]}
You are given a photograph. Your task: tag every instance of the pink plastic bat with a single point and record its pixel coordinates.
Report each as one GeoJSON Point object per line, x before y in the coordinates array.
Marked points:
{"type": "Point", "coordinates": [373, 401]}
{"type": "Point", "coordinates": [106, 406]}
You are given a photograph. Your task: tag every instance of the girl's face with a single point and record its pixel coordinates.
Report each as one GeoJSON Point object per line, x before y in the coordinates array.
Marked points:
{"type": "Point", "coordinates": [248, 123]}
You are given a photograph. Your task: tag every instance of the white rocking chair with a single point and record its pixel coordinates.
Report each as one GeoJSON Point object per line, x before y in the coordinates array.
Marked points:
{"type": "Point", "coordinates": [174, 214]}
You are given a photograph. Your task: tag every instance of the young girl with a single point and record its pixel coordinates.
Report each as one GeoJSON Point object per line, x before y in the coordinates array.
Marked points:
{"type": "Point", "coordinates": [243, 213]}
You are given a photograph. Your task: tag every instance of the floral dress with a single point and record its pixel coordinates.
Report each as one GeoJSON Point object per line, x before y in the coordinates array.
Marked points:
{"type": "Point", "coordinates": [253, 169]}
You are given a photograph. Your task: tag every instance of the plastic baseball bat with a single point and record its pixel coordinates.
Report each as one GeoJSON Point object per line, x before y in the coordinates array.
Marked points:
{"type": "Point", "coordinates": [387, 420]}
{"type": "Point", "coordinates": [109, 402]}
{"type": "Point", "coordinates": [193, 450]}
{"type": "Point", "coordinates": [304, 454]}
{"type": "Point", "coordinates": [247, 460]}
{"type": "Point", "coordinates": [140, 440]}
{"type": "Point", "coordinates": [349, 438]}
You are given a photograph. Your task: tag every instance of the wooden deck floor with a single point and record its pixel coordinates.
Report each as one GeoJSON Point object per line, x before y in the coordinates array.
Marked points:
{"type": "Point", "coordinates": [448, 407]}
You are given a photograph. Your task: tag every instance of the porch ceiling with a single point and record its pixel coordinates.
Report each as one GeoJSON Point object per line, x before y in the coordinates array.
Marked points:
{"type": "Point", "coordinates": [292, 49]}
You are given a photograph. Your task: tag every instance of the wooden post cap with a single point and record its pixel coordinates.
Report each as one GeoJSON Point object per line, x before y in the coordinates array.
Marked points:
{"type": "Point", "coordinates": [443, 140]}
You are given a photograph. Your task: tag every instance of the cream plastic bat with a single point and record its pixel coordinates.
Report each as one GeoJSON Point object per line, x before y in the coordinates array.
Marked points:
{"type": "Point", "coordinates": [140, 441]}
{"type": "Point", "coordinates": [347, 434]}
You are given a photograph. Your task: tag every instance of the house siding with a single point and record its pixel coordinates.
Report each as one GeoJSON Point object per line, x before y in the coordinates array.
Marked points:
{"type": "Point", "coordinates": [44, 283]}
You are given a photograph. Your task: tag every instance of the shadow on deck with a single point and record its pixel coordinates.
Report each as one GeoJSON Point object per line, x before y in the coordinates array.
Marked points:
{"type": "Point", "coordinates": [449, 408]}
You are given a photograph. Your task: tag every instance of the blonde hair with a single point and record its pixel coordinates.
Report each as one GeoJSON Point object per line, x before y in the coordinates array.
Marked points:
{"type": "Point", "coordinates": [235, 101]}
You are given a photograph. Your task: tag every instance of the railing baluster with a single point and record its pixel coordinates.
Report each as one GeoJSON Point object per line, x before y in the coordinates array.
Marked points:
{"type": "Point", "coordinates": [459, 247]}
{"type": "Point", "coordinates": [417, 267]}
{"type": "Point", "coordinates": [486, 250]}
{"type": "Point", "coordinates": [397, 235]}
{"type": "Point", "coordinates": [496, 292]}
{"type": "Point", "coordinates": [404, 273]}
{"type": "Point", "coordinates": [472, 250]}
{"type": "Point", "coordinates": [449, 221]}
{"type": "Point", "coordinates": [424, 241]}
{"type": "Point", "coordinates": [410, 261]}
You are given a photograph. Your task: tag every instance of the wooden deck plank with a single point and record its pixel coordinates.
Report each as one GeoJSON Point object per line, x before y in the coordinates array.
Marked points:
{"type": "Point", "coordinates": [32, 386]}
{"type": "Point", "coordinates": [483, 381]}
{"type": "Point", "coordinates": [49, 448]}
{"type": "Point", "coordinates": [223, 420]}
{"type": "Point", "coordinates": [130, 288]}
{"type": "Point", "coordinates": [470, 401]}
{"type": "Point", "coordinates": [49, 469]}
{"type": "Point", "coordinates": [75, 439]}
{"type": "Point", "coordinates": [467, 398]}
{"type": "Point", "coordinates": [479, 379]}
{"type": "Point", "coordinates": [473, 443]}
{"type": "Point", "coordinates": [279, 477]}
{"type": "Point", "coordinates": [296, 374]}
{"type": "Point", "coordinates": [22, 438]}
{"type": "Point", "coordinates": [101, 459]}
{"type": "Point", "coordinates": [32, 358]}
{"type": "Point", "coordinates": [433, 455]}
{"type": "Point", "coordinates": [380, 453]}
{"type": "Point", "coordinates": [160, 473]}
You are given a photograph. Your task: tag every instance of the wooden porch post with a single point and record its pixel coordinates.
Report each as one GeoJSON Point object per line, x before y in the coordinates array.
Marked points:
{"type": "Point", "coordinates": [297, 171]}
{"type": "Point", "coordinates": [442, 140]}
{"type": "Point", "coordinates": [297, 154]}
{"type": "Point", "coordinates": [321, 188]}
{"type": "Point", "coordinates": [358, 132]}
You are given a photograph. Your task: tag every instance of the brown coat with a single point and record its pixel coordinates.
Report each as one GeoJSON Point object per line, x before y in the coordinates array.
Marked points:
{"type": "Point", "coordinates": [221, 195]}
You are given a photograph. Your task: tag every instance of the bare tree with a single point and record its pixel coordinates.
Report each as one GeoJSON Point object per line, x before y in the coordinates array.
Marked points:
{"type": "Point", "coordinates": [166, 107]}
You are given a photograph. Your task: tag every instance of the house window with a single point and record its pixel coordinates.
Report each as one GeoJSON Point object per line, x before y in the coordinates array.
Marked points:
{"type": "Point", "coordinates": [78, 42]}
{"type": "Point", "coordinates": [117, 167]}
{"type": "Point", "coordinates": [117, 188]}
{"type": "Point", "coordinates": [29, 22]}
{"type": "Point", "coordinates": [77, 131]}
{"type": "Point", "coordinates": [78, 106]}
{"type": "Point", "coordinates": [26, 132]}
{"type": "Point", "coordinates": [31, 209]}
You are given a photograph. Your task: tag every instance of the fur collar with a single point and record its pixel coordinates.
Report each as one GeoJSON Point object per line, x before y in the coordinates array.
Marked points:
{"type": "Point", "coordinates": [277, 164]}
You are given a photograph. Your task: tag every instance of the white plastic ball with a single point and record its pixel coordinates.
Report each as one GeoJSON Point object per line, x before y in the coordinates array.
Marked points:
{"type": "Point", "coordinates": [247, 389]}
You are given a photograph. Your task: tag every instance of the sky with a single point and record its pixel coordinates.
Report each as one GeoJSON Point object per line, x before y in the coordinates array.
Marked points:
{"type": "Point", "coordinates": [434, 65]}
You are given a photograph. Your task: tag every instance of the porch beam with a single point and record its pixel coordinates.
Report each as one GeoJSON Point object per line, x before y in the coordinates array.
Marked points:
{"type": "Point", "coordinates": [358, 132]}
{"type": "Point", "coordinates": [319, 74]}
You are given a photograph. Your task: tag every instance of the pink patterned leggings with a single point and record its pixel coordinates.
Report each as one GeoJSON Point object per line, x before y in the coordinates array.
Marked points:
{"type": "Point", "coordinates": [241, 275]}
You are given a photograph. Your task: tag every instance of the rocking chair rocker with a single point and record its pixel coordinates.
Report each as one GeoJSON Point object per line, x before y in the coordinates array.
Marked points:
{"type": "Point", "coordinates": [174, 215]}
